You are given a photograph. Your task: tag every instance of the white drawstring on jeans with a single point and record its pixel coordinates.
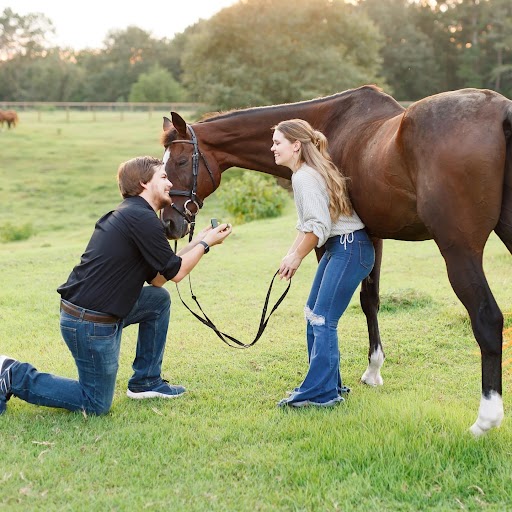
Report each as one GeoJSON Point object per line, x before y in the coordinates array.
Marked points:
{"type": "Point", "coordinates": [346, 238]}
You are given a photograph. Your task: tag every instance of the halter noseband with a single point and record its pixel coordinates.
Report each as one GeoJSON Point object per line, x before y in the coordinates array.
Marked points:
{"type": "Point", "coordinates": [192, 193]}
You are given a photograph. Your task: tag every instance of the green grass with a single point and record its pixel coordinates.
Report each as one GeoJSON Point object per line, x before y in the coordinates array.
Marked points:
{"type": "Point", "coordinates": [224, 445]}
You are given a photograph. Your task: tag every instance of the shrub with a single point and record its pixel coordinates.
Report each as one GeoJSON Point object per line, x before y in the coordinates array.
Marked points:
{"type": "Point", "coordinates": [253, 196]}
{"type": "Point", "coordinates": [10, 233]}
{"type": "Point", "coordinates": [158, 85]}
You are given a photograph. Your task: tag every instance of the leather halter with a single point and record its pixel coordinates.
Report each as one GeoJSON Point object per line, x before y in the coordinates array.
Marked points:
{"type": "Point", "coordinates": [192, 193]}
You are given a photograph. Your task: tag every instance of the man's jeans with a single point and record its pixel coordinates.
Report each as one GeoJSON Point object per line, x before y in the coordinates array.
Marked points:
{"type": "Point", "coordinates": [346, 262]}
{"type": "Point", "coordinates": [95, 348]}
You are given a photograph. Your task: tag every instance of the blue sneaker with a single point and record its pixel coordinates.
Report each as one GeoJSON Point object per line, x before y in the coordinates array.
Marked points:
{"type": "Point", "coordinates": [163, 390]}
{"type": "Point", "coordinates": [5, 381]}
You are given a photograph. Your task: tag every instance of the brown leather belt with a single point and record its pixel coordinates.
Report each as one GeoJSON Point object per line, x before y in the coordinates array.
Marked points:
{"type": "Point", "coordinates": [77, 312]}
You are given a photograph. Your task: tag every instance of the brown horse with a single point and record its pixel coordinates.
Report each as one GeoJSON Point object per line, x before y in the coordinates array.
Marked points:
{"type": "Point", "coordinates": [10, 117]}
{"type": "Point", "coordinates": [440, 169]}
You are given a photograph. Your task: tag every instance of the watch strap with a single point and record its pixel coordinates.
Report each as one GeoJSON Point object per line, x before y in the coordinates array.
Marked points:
{"type": "Point", "coordinates": [205, 245]}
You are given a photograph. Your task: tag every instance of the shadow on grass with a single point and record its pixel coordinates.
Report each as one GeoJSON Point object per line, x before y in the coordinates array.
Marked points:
{"type": "Point", "coordinates": [403, 299]}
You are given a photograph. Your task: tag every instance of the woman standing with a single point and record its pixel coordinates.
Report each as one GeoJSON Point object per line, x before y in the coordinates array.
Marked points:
{"type": "Point", "coordinates": [325, 217]}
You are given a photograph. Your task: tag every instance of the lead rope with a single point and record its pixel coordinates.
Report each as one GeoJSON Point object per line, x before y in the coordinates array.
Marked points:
{"type": "Point", "coordinates": [222, 335]}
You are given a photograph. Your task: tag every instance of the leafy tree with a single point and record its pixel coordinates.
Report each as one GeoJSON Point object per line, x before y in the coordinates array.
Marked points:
{"type": "Point", "coordinates": [23, 35]}
{"type": "Point", "coordinates": [498, 39]}
{"type": "Point", "coordinates": [260, 52]}
{"type": "Point", "coordinates": [50, 78]}
{"type": "Point", "coordinates": [157, 86]}
{"type": "Point", "coordinates": [29, 69]}
{"type": "Point", "coordinates": [409, 62]}
{"type": "Point", "coordinates": [480, 33]}
{"type": "Point", "coordinates": [176, 49]}
{"type": "Point", "coordinates": [110, 73]}
{"type": "Point", "coordinates": [10, 79]}
{"type": "Point", "coordinates": [463, 23]}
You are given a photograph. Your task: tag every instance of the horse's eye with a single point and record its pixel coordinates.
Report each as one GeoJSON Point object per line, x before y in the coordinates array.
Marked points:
{"type": "Point", "coordinates": [182, 162]}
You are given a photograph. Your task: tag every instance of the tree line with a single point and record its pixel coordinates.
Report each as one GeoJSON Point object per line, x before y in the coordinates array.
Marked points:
{"type": "Point", "coordinates": [260, 52]}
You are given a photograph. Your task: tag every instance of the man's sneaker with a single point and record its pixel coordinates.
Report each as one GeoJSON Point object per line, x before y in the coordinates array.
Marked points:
{"type": "Point", "coordinates": [163, 390]}
{"type": "Point", "coordinates": [5, 381]}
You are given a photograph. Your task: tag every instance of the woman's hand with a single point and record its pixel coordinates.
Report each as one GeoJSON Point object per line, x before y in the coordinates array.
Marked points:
{"type": "Point", "coordinates": [289, 265]}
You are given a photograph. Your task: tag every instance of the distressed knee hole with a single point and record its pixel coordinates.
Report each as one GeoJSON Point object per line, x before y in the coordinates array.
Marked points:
{"type": "Point", "coordinates": [312, 318]}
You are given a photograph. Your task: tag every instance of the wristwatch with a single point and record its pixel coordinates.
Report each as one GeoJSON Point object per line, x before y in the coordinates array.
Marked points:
{"type": "Point", "coordinates": [205, 245]}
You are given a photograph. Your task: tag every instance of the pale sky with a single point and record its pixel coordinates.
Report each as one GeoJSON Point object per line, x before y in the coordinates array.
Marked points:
{"type": "Point", "coordinates": [85, 24]}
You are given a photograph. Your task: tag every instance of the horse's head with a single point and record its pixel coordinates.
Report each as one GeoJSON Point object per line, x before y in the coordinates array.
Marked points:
{"type": "Point", "coordinates": [193, 177]}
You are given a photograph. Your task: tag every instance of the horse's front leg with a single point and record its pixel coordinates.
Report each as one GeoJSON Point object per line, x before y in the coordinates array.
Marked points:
{"type": "Point", "coordinates": [369, 298]}
{"type": "Point", "coordinates": [370, 302]}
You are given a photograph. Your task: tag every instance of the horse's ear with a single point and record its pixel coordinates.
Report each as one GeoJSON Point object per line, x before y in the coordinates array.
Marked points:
{"type": "Point", "coordinates": [167, 124]}
{"type": "Point", "coordinates": [180, 124]}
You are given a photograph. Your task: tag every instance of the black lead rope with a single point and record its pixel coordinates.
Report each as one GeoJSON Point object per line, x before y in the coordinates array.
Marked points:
{"type": "Point", "coordinates": [222, 335]}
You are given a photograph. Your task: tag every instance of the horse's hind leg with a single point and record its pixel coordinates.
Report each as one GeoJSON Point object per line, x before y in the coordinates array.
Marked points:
{"type": "Point", "coordinates": [370, 302]}
{"type": "Point", "coordinates": [469, 283]}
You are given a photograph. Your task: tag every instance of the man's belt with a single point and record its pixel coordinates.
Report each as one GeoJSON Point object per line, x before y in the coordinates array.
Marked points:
{"type": "Point", "coordinates": [82, 313]}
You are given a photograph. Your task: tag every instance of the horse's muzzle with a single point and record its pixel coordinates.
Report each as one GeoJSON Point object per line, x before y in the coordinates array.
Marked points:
{"type": "Point", "coordinates": [175, 230]}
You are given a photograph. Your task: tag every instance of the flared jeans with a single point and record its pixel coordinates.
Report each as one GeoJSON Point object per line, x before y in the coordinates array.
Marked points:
{"type": "Point", "coordinates": [347, 260]}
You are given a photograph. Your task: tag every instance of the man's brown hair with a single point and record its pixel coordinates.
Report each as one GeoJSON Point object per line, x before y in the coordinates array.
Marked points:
{"type": "Point", "coordinates": [133, 172]}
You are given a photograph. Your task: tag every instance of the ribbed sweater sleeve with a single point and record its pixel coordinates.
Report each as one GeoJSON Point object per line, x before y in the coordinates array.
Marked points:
{"type": "Point", "coordinates": [312, 203]}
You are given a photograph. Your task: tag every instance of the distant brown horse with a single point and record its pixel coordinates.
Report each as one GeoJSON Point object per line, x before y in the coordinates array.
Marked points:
{"type": "Point", "coordinates": [440, 169]}
{"type": "Point", "coordinates": [10, 117]}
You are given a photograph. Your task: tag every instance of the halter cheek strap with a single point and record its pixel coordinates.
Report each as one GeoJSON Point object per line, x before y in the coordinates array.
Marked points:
{"type": "Point", "coordinates": [191, 194]}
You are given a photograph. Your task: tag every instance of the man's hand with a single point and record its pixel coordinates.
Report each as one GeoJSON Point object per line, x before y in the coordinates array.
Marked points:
{"type": "Point", "coordinates": [200, 236]}
{"type": "Point", "coordinates": [217, 235]}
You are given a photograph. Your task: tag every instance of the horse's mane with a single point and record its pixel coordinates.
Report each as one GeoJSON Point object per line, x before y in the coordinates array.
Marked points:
{"type": "Point", "coordinates": [214, 116]}
{"type": "Point", "coordinates": [364, 97]}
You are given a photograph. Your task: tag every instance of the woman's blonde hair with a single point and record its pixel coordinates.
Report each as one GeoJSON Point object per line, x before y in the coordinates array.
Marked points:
{"type": "Point", "coordinates": [313, 152]}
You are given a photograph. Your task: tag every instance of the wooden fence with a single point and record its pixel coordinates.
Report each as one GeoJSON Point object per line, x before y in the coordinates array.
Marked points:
{"type": "Point", "coordinates": [120, 108]}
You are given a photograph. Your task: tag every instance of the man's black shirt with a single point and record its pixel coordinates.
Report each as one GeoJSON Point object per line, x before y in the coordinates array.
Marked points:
{"type": "Point", "coordinates": [127, 249]}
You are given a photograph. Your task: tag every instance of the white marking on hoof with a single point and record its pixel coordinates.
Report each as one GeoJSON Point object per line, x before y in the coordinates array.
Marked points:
{"type": "Point", "coordinates": [490, 414]}
{"type": "Point", "coordinates": [372, 375]}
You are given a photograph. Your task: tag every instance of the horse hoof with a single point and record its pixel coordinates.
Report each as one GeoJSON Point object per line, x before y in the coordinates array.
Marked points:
{"type": "Point", "coordinates": [372, 379]}
{"type": "Point", "coordinates": [490, 414]}
{"type": "Point", "coordinates": [371, 376]}
{"type": "Point", "coordinates": [476, 430]}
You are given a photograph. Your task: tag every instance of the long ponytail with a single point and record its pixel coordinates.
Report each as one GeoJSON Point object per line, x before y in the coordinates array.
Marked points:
{"type": "Point", "coordinates": [314, 152]}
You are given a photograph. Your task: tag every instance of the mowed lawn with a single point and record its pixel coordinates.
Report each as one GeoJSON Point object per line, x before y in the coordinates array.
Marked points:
{"type": "Point", "coordinates": [225, 446]}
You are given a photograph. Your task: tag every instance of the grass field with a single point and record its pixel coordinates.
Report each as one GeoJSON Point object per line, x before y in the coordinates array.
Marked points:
{"type": "Point", "coordinates": [225, 446]}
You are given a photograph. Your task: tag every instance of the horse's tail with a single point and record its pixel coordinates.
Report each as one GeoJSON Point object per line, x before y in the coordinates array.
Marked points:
{"type": "Point", "coordinates": [504, 226]}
